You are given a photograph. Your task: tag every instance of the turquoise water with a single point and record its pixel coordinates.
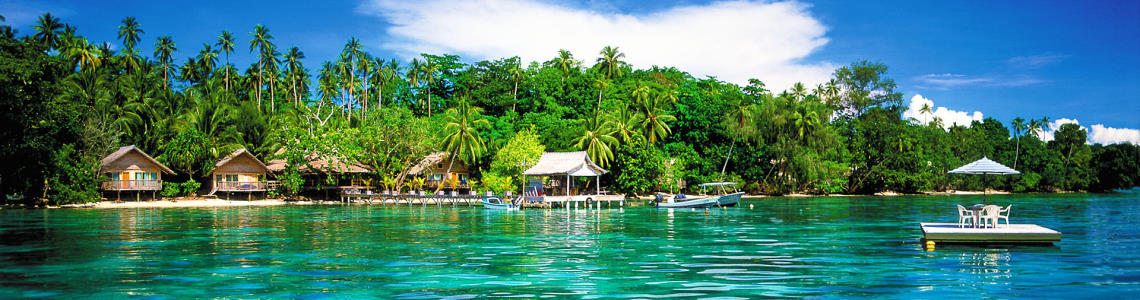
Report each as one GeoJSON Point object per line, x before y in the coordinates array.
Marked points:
{"type": "Point", "coordinates": [814, 247]}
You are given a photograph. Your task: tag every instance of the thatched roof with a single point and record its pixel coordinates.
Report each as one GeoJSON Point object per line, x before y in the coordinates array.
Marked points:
{"type": "Point", "coordinates": [240, 153]}
{"type": "Point", "coordinates": [426, 163]}
{"type": "Point", "coordinates": [331, 164]}
{"type": "Point", "coordinates": [565, 163]}
{"type": "Point", "coordinates": [123, 151]}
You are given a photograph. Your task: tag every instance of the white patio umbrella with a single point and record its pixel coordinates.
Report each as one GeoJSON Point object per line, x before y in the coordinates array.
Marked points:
{"type": "Point", "coordinates": [984, 166]}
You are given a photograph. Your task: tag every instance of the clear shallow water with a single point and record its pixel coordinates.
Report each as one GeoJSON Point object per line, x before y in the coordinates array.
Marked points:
{"type": "Point", "coordinates": [813, 247]}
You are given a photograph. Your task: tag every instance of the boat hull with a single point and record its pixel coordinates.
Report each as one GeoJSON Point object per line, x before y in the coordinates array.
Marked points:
{"type": "Point", "coordinates": [713, 201]}
{"type": "Point", "coordinates": [497, 204]}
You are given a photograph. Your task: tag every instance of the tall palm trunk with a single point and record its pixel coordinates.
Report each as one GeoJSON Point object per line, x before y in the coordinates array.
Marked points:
{"type": "Point", "coordinates": [296, 98]}
{"type": "Point", "coordinates": [516, 94]}
{"type": "Point", "coordinates": [1016, 152]}
{"type": "Point", "coordinates": [273, 92]}
{"type": "Point", "coordinates": [429, 103]}
{"type": "Point", "coordinates": [260, 69]}
{"type": "Point", "coordinates": [227, 72]}
{"type": "Point", "coordinates": [725, 166]}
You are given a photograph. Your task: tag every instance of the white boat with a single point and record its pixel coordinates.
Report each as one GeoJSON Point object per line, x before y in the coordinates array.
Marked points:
{"type": "Point", "coordinates": [722, 197]}
{"type": "Point", "coordinates": [496, 203]}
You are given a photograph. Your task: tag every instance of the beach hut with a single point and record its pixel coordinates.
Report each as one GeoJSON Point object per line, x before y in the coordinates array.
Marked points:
{"type": "Point", "coordinates": [563, 165]}
{"type": "Point", "coordinates": [130, 169]}
{"type": "Point", "coordinates": [318, 167]}
{"type": "Point", "coordinates": [434, 168]}
{"type": "Point", "coordinates": [240, 172]}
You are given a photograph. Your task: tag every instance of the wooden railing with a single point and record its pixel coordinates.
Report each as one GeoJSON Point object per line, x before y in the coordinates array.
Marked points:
{"type": "Point", "coordinates": [434, 183]}
{"type": "Point", "coordinates": [245, 186]}
{"type": "Point", "coordinates": [132, 185]}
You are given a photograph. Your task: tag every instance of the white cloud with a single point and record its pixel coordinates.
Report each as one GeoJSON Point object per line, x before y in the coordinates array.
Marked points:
{"type": "Point", "coordinates": [1036, 61]}
{"type": "Point", "coordinates": [1097, 133]}
{"type": "Point", "coordinates": [948, 80]}
{"type": "Point", "coordinates": [949, 117]}
{"type": "Point", "coordinates": [732, 41]}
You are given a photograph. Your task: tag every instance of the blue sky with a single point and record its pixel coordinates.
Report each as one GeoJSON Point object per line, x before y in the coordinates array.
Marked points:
{"type": "Point", "coordinates": [1069, 60]}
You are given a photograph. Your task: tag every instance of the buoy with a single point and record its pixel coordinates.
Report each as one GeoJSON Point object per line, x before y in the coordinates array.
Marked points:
{"type": "Point", "coordinates": [750, 206]}
{"type": "Point", "coordinates": [706, 211]}
{"type": "Point", "coordinates": [692, 209]}
{"type": "Point", "coordinates": [724, 207]}
{"type": "Point", "coordinates": [929, 245]}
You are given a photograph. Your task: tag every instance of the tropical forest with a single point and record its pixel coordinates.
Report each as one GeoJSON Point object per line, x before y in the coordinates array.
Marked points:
{"type": "Point", "coordinates": [66, 102]}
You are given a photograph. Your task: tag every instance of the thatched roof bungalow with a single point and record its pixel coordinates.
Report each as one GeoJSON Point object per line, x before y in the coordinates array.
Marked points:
{"type": "Point", "coordinates": [240, 172]}
{"type": "Point", "coordinates": [131, 169]}
{"type": "Point", "coordinates": [434, 166]}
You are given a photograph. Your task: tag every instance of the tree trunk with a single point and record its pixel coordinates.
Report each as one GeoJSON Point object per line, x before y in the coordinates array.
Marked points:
{"type": "Point", "coordinates": [725, 166]}
{"type": "Point", "coordinates": [296, 98]}
{"type": "Point", "coordinates": [429, 104]}
{"type": "Point", "coordinates": [516, 94]}
{"type": "Point", "coordinates": [260, 66]}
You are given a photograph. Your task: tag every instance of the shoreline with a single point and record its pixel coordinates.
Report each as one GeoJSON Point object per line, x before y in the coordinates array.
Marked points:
{"type": "Point", "coordinates": [202, 202]}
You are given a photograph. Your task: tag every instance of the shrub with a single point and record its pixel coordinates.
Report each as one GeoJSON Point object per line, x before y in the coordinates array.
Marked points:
{"type": "Point", "coordinates": [72, 177]}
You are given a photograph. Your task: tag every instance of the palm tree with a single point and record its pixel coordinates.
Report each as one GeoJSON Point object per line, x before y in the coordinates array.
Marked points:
{"type": "Point", "coordinates": [625, 122]}
{"type": "Point", "coordinates": [516, 74]}
{"type": "Point", "coordinates": [293, 62]}
{"type": "Point", "coordinates": [350, 54]}
{"type": "Point", "coordinates": [1018, 125]}
{"type": "Point", "coordinates": [610, 61]}
{"type": "Point", "coordinates": [413, 76]}
{"type": "Point", "coordinates": [926, 110]}
{"type": "Point", "coordinates": [261, 41]}
{"type": "Point", "coordinates": [799, 91]}
{"type": "Point", "coordinates": [640, 93]}
{"type": "Point", "coordinates": [739, 120]}
{"type": "Point", "coordinates": [226, 44]}
{"type": "Point", "coordinates": [601, 83]}
{"type": "Point", "coordinates": [48, 30]}
{"type": "Point", "coordinates": [429, 70]}
{"type": "Point", "coordinates": [656, 125]}
{"type": "Point", "coordinates": [1035, 128]}
{"type": "Point", "coordinates": [597, 139]}
{"type": "Point", "coordinates": [130, 32]}
{"type": "Point", "coordinates": [85, 54]}
{"type": "Point", "coordinates": [164, 49]}
{"type": "Point", "coordinates": [462, 140]}
{"type": "Point", "coordinates": [271, 67]}
{"type": "Point", "coordinates": [565, 62]}
{"type": "Point", "coordinates": [208, 60]}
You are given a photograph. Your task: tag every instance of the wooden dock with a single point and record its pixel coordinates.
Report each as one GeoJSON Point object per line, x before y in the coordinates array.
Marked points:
{"type": "Point", "coordinates": [1012, 233]}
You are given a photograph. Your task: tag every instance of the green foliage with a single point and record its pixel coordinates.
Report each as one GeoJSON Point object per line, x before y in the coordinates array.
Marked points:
{"type": "Point", "coordinates": [498, 184]}
{"type": "Point", "coordinates": [520, 153]}
{"type": "Point", "coordinates": [637, 167]}
{"type": "Point", "coordinates": [186, 152]}
{"type": "Point", "coordinates": [650, 127]}
{"type": "Point", "coordinates": [189, 187]}
{"type": "Point", "coordinates": [72, 177]}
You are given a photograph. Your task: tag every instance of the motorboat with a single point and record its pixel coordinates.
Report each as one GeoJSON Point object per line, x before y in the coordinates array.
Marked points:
{"type": "Point", "coordinates": [497, 203]}
{"type": "Point", "coordinates": [721, 197]}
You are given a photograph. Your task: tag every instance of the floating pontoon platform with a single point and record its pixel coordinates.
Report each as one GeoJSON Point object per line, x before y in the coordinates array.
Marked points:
{"type": "Point", "coordinates": [1012, 233]}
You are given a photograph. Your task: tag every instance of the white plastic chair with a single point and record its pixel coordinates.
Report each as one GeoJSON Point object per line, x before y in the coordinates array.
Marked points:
{"type": "Point", "coordinates": [990, 215]}
{"type": "Point", "coordinates": [965, 215]}
{"type": "Point", "coordinates": [1003, 214]}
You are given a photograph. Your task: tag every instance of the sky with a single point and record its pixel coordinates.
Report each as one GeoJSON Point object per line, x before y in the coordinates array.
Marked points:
{"type": "Point", "coordinates": [1070, 61]}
